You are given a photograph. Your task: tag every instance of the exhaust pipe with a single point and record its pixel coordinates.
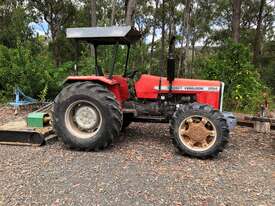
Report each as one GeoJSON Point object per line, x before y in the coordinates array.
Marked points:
{"type": "Point", "coordinates": [171, 64]}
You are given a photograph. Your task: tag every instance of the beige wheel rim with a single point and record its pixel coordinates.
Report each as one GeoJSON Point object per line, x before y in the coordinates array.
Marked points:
{"type": "Point", "coordinates": [83, 119]}
{"type": "Point", "coordinates": [197, 133]}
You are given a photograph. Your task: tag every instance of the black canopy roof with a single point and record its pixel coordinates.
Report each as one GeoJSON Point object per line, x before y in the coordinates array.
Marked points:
{"type": "Point", "coordinates": [105, 35]}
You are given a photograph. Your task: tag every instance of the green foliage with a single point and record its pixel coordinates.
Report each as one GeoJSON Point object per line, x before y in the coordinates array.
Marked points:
{"type": "Point", "coordinates": [39, 64]}
{"type": "Point", "coordinates": [105, 59]}
{"type": "Point", "coordinates": [267, 65]}
{"type": "Point", "coordinates": [43, 94]}
{"type": "Point", "coordinates": [31, 73]}
{"type": "Point", "coordinates": [13, 24]}
{"type": "Point", "coordinates": [231, 64]}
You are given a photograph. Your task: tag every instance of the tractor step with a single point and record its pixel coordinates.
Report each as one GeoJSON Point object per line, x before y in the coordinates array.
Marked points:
{"type": "Point", "coordinates": [150, 119]}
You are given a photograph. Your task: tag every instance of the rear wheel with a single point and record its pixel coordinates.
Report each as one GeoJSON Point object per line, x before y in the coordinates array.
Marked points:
{"type": "Point", "coordinates": [86, 116]}
{"type": "Point", "coordinates": [199, 131]}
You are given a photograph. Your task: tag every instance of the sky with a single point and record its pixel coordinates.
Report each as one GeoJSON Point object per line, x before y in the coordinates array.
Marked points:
{"type": "Point", "coordinates": [39, 28]}
{"type": "Point", "coordinates": [42, 28]}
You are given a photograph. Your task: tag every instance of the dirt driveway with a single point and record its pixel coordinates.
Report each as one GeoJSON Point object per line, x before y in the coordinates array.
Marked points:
{"type": "Point", "coordinates": [143, 168]}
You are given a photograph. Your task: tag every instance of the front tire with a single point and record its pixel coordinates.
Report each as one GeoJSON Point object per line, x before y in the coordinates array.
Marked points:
{"type": "Point", "coordinates": [86, 116]}
{"type": "Point", "coordinates": [199, 131]}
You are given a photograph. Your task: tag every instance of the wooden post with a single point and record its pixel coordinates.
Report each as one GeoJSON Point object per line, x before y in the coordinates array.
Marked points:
{"type": "Point", "coordinates": [273, 141]}
{"type": "Point", "coordinates": [263, 127]}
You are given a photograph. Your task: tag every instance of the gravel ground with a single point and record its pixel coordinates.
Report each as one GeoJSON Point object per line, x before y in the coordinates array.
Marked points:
{"type": "Point", "coordinates": [142, 168]}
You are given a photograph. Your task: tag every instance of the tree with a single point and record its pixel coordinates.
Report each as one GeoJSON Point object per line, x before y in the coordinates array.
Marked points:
{"type": "Point", "coordinates": [202, 27]}
{"type": "Point", "coordinates": [258, 34]}
{"type": "Point", "coordinates": [93, 13]}
{"type": "Point", "coordinates": [112, 20]}
{"type": "Point", "coordinates": [93, 21]}
{"type": "Point", "coordinates": [236, 19]}
{"type": "Point", "coordinates": [200, 19]}
{"type": "Point", "coordinates": [14, 23]}
{"type": "Point", "coordinates": [163, 16]}
{"type": "Point", "coordinates": [232, 65]}
{"type": "Point", "coordinates": [153, 35]}
{"type": "Point", "coordinates": [185, 36]}
{"type": "Point", "coordinates": [130, 11]}
{"type": "Point", "coordinates": [56, 14]}
{"type": "Point", "coordinates": [172, 19]}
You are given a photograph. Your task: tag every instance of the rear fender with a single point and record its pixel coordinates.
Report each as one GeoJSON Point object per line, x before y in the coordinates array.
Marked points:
{"type": "Point", "coordinates": [115, 85]}
{"type": "Point", "coordinates": [100, 79]}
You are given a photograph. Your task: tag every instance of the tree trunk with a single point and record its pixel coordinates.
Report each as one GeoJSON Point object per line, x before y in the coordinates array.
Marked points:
{"type": "Point", "coordinates": [56, 54]}
{"type": "Point", "coordinates": [236, 19]}
{"type": "Point", "coordinates": [181, 58]}
{"type": "Point", "coordinates": [193, 57]}
{"type": "Point", "coordinates": [93, 13]}
{"type": "Point", "coordinates": [258, 35]}
{"type": "Point", "coordinates": [172, 25]}
{"type": "Point", "coordinates": [113, 13]}
{"type": "Point", "coordinates": [93, 21]}
{"type": "Point", "coordinates": [162, 56]}
{"type": "Point", "coordinates": [130, 11]}
{"type": "Point", "coordinates": [153, 38]}
{"type": "Point", "coordinates": [187, 31]}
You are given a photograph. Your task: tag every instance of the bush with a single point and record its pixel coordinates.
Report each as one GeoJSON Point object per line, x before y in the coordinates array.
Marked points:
{"type": "Point", "coordinates": [231, 64]}
{"type": "Point", "coordinates": [32, 73]}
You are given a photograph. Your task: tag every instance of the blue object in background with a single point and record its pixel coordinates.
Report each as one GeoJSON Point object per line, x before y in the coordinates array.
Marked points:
{"type": "Point", "coordinates": [21, 99]}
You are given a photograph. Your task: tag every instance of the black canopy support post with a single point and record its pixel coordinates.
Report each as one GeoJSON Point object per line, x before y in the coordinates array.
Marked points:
{"type": "Point", "coordinates": [96, 63]}
{"type": "Point", "coordinates": [115, 50]}
{"type": "Point", "coordinates": [127, 60]}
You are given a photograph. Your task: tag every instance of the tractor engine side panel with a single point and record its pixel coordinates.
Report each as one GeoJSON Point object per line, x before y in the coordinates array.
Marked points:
{"type": "Point", "coordinates": [206, 92]}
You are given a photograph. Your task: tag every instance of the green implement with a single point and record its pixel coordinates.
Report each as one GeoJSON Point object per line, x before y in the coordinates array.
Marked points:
{"type": "Point", "coordinates": [38, 119]}
{"type": "Point", "coordinates": [34, 131]}
{"type": "Point", "coordinates": [18, 133]}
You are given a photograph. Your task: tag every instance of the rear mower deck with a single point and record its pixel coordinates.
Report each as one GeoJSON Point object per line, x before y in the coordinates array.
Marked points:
{"type": "Point", "coordinates": [35, 131]}
{"type": "Point", "coordinates": [18, 133]}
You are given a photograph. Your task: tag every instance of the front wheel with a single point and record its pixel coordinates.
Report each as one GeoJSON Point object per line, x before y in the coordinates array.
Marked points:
{"type": "Point", "coordinates": [199, 131]}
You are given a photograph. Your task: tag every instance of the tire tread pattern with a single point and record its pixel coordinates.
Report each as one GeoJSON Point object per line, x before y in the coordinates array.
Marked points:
{"type": "Point", "coordinates": [105, 97]}
{"type": "Point", "coordinates": [180, 114]}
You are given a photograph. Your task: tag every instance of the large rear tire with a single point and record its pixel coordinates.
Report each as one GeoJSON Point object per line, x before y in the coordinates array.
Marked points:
{"type": "Point", "coordinates": [86, 116]}
{"type": "Point", "coordinates": [199, 131]}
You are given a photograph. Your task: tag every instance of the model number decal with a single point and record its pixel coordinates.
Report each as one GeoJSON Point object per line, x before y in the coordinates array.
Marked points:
{"type": "Point", "coordinates": [189, 88]}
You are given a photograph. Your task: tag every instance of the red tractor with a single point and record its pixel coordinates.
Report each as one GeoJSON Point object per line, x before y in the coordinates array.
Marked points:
{"type": "Point", "coordinates": [90, 111]}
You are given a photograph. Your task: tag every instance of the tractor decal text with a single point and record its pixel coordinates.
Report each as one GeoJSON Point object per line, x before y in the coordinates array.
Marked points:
{"type": "Point", "coordinates": [189, 88]}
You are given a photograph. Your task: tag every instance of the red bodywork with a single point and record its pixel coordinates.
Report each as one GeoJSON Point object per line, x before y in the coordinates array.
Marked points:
{"type": "Point", "coordinates": [148, 87]}
{"type": "Point", "coordinates": [118, 84]}
{"type": "Point", "coordinates": [206, 92]}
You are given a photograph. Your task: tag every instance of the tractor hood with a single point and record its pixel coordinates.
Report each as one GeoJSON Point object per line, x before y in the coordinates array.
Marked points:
{"type": "Point", "coordinates": [206, 91]}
